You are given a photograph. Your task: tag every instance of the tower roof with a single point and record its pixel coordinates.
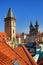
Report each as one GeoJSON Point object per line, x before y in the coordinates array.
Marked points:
{"type": "Point", "coordinates": [31, 24]}
{"type": "Point", "coordinates": [10, 13]}
{"type": "Point", "coordinates": [36, 23]}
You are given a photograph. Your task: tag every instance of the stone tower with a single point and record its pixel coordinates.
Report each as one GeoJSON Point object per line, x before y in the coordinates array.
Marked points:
{"type": "Point", "coordinates": [36, 27]}
{"type": "Point", "coordinates": [10, 25]}
{"type": "Point", "coordinates": [31, 28]}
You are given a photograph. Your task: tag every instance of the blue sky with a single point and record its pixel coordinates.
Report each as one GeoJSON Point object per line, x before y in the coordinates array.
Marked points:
{"type": "Point", "coordinates": [24, 10]}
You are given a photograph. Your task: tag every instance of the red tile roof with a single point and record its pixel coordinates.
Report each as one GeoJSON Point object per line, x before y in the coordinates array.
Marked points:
{"type": "Point", "coordinates": [25, 55]}
{"type": "Point", "coordinates": [5, 49]}
{"type": "Point", "coordinates": [41, 33]}
{"type": "Point", "coordinates": [18, 35]}
{"type": "Point", "coordinates": [20, 54]}
{"type": "Point", "coordinates": [3, 35]}
{"type": "Point", "coordinates": [40, 62]}
{"type": "Point", "coordinates": [4, 60]}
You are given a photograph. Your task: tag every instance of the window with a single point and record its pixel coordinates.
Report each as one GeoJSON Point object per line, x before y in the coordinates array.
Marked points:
{"type": "Point", "coordinates": [13, 23]}
{"type": "Point", "coordinates": [13, 31]}
{"type": "Point", "coordinates": [16, 62]}
{"type": "Point", "coordinates": [8, 23]}
{"type": "Point", "coordinates": [13, 39]}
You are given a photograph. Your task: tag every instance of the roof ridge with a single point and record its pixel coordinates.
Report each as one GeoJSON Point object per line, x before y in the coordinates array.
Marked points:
{"type": "Point", "coordinates": [29, 56]}
{"type": "Point", "coordinates": [20, 57]}
{"type": "Point", "coordinates": [16, 53]}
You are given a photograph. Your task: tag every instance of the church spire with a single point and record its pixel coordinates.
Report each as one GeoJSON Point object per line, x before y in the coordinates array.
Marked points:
{"type": "Point", "coordinates": [10, 13]}
{"type": "Point", "coordinates": [36, 25]}
{"type": "Point", "coordinates": [31, 24]}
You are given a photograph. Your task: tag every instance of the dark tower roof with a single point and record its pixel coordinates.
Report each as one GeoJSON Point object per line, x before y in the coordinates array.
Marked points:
{"type": "Point", "coordinates": [36, 23]}
{"type": "Point", "coordinates": [31, 24]}
{"type": "Point", "coordinates": [10, 13]}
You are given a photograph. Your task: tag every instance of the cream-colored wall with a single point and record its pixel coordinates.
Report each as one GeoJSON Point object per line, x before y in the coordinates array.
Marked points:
{"type": "Point", "coordinates": [9, 31]}
{"type": "Point", "coordinates": [42, 39]}
{"type": "Point", "coordinates": [18, 40]}
{"type": "Point", "coordinates": [13, 27]}
{"type": "Point", "coordinates": [24, 36]}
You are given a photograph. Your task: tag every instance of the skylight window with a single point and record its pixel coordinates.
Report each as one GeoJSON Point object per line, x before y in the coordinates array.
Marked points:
{"type": "Point", "coordinates": [16, 62]}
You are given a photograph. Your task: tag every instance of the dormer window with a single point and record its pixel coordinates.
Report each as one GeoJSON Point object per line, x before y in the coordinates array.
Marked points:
{"type": "Point", "coordinates": [15, 63]}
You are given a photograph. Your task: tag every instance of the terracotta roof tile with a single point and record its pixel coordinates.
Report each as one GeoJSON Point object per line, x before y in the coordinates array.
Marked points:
{"type": "Point", "coordinates": [18, 35]}
{"type": "Point", "coordinates": [4, 59]}
{"type": "Point", "coordinates": [40, 62]}
{"type": "Point", "coordinates": [4, 48]}
{"type": "Point", "coordinates": [29, 56]}
{"type": "Point", "coordinates": [41, 33]}
{"type": "Point", "coordinates": [3, 35]}
{"type": "Point", "coordinates": [20, 54]}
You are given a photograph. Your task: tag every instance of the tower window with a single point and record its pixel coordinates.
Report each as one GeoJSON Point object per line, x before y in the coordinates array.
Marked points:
{"type": "Point", "coordinates": [13, 23]}
{"type": "Point", "coordinates": [8, 23]}
{"type": "Point", "coordinates": [13, 31]}
{"type": "Point", "coordinates": [13, 39]}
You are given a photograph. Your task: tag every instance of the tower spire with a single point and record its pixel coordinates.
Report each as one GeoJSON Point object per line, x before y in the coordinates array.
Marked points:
{"type": "Point", "coordinates": [31, 24]}
{"type": "Point", "coordinates": [36, 25]}
{"type": "Point", "coordinates": [10, 13]}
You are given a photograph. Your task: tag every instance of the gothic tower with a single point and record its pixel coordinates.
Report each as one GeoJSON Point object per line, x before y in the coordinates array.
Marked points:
{"type": "Point", "coordinates": [10, 25]}
{"type": "Point", "coordinates": [31, 28]}
{"type": "Point", "coordinates": [36, 27]}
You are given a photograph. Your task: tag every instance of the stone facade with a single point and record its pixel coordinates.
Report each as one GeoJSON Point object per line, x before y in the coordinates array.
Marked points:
{"type": "Point", "coordinates": [10, 26]}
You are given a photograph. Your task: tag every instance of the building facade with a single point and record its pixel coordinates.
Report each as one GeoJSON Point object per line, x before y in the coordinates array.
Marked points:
{"type": "Point", "coordinates": [10, 25]}
{"type": "Point", "coordinates": [10, 28]}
